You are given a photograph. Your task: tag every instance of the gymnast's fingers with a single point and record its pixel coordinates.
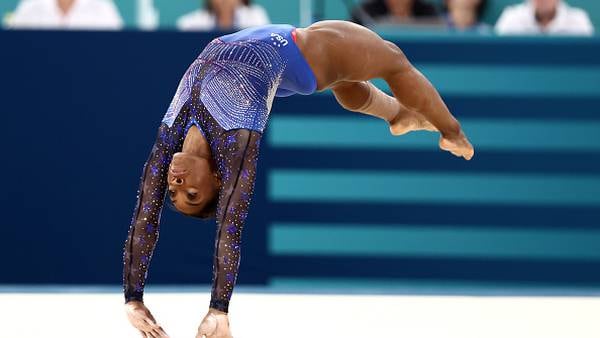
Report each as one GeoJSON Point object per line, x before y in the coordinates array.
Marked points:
{"type": "Point", "coordinates": [144, 327]}
{"type": "Point", "coordinates": [161, 332]}
{"type": "Point", "coordinates": [158, 334]}
{"type": "Point", "coordinates": [155, 329]}
{"type": "Point", "coordinates": [204, 334]}
{"type": "Point", "coordinates": [151, 334]}
{"type": "Point", "coordinates": [151, 323]}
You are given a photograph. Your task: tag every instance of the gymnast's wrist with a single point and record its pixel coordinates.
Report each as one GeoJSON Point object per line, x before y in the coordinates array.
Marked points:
{"type": "Point", "coordinates": [135, 297]}
{"type": "Point", "coordinates": [219, 305]}
{"type": "Point", "coordinates": [216, 311]}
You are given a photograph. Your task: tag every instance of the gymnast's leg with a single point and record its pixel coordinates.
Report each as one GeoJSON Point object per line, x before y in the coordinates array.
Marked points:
{"type": "Point", "coordinates": [416, 104]}
{"type": "Point", "coordinates": [415, 92]}
{"type": "Point", "coordinates": [364, 97]}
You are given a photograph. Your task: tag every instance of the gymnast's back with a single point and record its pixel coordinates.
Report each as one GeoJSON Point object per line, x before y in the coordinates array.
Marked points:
{"type": "Point", "coordinates": [241, 73]}
{"type": "Point", "coordinates": [297, 77]}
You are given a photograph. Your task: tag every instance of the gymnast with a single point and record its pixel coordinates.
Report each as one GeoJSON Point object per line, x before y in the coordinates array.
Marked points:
{"type": "Point", "coordinates": [206, 150]}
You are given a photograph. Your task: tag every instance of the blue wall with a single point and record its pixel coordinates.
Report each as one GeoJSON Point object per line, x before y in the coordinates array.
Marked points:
{"type": "Point", "coordinates": [337, 198]}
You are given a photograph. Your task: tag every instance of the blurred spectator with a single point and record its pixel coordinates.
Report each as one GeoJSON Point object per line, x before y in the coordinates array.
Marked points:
{"type": "Point", "coordinates": [224, 15]}
{"type": "Point", "coordinates": [465, 15]}
{"type": "Point", "coordinates": [544, 16]}
{"type": "Point", "coordinates": [374, 11]}
{"type": "Point", "coordinates": [69, 14]}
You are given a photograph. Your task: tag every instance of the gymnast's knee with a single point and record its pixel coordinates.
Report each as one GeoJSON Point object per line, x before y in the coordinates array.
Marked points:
{"type": "Point", "coordinates": [346, 95]}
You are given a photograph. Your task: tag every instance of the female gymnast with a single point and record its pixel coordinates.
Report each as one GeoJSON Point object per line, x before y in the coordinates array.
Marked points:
{"type": "Point", "coordinates": [206, 150]}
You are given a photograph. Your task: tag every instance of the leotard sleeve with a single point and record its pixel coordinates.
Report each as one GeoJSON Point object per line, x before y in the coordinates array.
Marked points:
{"type": "Point", "coordinates": [144, 228]}
{"type": "Point", "coordinates": [236, 152]}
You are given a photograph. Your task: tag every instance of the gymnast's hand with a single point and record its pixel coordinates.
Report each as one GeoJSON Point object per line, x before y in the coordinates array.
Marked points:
{"type": "Point", "coordinates": [214, 325]}
{"type": "Point", "coordinates": [140, 317]}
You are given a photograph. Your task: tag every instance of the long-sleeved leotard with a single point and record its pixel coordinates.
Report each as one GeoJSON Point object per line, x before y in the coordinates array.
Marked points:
{"type": "Point", "coordinates": [236, 154]}
{"type": "Point", "coordinates": [226, 93]}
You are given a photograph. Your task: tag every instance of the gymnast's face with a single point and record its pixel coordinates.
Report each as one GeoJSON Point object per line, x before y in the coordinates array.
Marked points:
{"type": "Point", "coordinates": [192, 184]}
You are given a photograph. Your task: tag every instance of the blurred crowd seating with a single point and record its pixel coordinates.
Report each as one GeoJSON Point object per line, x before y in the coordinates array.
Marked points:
{"type": "Point", "coordinates": [556, 17]}
{"type": "Point", "coordinates": [528, 17]}
{"type": "Point", "coordinates": [66, 14]}
{"type": "Point", "coordinates": [224, 14]}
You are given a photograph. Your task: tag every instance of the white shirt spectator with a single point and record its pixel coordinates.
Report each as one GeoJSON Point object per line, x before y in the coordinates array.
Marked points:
{"type": "Point", "coordinates": [84, 14]}
{"type": "Point", "coordinates": [520, 19]}
{"type": "Point", "coordinates": [203, 20]}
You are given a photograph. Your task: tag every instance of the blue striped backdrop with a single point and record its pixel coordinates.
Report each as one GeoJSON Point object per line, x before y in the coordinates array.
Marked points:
{"type": "Point", "coordinates": [339, 201]}
{"type": "Point", "coordinates": [356, 203]}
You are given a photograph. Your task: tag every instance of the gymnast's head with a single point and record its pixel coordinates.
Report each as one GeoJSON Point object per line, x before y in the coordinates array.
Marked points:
{"type": "Point", "coordinates": [193, 185]}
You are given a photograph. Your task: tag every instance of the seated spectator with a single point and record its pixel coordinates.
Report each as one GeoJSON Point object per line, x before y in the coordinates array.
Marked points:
{"type": "Point", "coordinates": [375, 11]}
{"type": "Point", "coordinates": [465, 15]}
{"type": "Point", "coordinates": [544, 17]}
{"type": "Point", "coordinates": [224, 15]}
{"type": "Point", "coordinates": [68, 14]}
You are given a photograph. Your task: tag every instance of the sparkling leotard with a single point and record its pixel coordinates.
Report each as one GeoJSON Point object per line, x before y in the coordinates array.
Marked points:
{"type": "Point", "coordinates": [227, 93]}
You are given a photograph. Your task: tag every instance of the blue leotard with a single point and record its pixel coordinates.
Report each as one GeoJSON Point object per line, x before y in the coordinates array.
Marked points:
{"type": "Point", "coordinates": [249, 68]}
{"type": "Point", "coordinates": [297, 76]}
{"type": "Point", "coordinates": [227, 93]}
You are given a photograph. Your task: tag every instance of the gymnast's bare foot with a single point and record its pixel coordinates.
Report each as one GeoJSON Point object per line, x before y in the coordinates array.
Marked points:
{"type": "Point", "coordinates": [214, 325]}
{"type": "Point", "coordinates": [406, 121]}
{"type": "Point", "coordinates": [457, 145]}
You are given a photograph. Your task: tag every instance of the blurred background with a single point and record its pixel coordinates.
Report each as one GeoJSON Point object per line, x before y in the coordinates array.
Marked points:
{"type": "Point", "coordinates": [574, 16]}
{"type": "Point", "coordinates": [340, 205]}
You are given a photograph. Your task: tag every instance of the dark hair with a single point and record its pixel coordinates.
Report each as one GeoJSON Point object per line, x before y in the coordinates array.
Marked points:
{"type": "Point", "coordinates": [209, 210]}
{"type": "Point", "coordinates": [479, 11]}
{"type": "Point", "coordinates": [208, 4]}
{"type": "Point", "coordinates": [423, 8]}
{"type": "Point", "coordinates": [372, 10]}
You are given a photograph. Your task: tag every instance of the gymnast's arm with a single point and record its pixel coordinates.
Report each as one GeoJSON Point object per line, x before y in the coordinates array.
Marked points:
{"type": "Point", "coordinates": [143, 232]}
{"type": "Point", "coordinates": [236, 153]}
